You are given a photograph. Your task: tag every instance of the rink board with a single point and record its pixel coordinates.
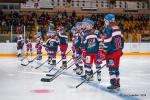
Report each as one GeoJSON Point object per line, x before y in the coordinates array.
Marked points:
{"type": "Point", "coordinates": [134, 49]}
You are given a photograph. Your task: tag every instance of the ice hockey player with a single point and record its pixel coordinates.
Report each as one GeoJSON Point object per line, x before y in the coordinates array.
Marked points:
{"type": "Point", "coordinates": [91, 51]}
{"type": "Point", "coordinates": [38, 46]}
{"type": "Point", "coordinates": [20, 44]}
{"type": "Point", "coordinates": [114, 44]}
{"type": "Point", "coordinates": [63, 44]}
{"type": "Point", "coordinates": [77, 53]}
{"type": "Point", "coordinates": [28, 47]}
{"type": "Point", "coordinates": [51, 46]}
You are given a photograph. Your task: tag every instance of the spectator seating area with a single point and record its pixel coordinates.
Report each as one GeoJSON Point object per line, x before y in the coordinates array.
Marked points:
{"type": "Point", "coordinates": [134, 27]}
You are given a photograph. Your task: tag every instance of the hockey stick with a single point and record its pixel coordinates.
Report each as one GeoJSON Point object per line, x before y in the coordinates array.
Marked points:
{"type": "Point", "coordinates": [55, 75]}
{"type": "Point", "coordinates": [27, 55]}
{"type": "Point", "coordinates": [58, 62]}
{"type": "Point", "coordinates": [32, 61]}
{"type": "Point", "coordinates": [42, 63]}
{"type": "Point", "coordinates": [29, 62]}
{"type": "Point", "coordinates": [89, 77]}
{"type": "Point", "coordinates": [58, 70]}
{"type": "Point", "coordinates": [24, 57]}
{"type": "Point", "coordinates": [58, 73]}
{"type": "Point", "coordinates": [45, 62]}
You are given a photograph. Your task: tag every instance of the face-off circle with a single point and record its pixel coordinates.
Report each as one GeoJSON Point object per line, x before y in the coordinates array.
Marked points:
{"type": "Point", "coordinates": [42, 91]}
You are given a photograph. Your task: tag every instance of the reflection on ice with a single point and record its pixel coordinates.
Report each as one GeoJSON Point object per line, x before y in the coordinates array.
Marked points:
{"type": "Point", "coordinates": [23, 82]}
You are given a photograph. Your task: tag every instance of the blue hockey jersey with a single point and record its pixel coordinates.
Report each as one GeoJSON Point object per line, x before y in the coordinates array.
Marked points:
{"type": "Point", "coordinates": [91, 41]}
{"type": "Point", "coordinates": [52, 44]}
{"type": "Point", "coordinates": [20, 43]}
{"type": "Point", "coordinates": [38, 45]}
{"type": "Point", "coordinates": [28, 45]}
{"type": "Point", "coordinates": [77, 42]}
{"type": "Point", "coordinates": [63, 39]}
{"type": "Point", "coordinates": [113, 39]}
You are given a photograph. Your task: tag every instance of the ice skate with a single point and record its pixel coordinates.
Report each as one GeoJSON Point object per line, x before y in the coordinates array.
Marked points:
{"type": "Point", "coordinates": [64, 65]}
{"type": "Point", "coordinates": [79, 70]}
{"type": "Point", "coordinates": [53, 63]}
{"type": "Point", "coordinates": [88, 75]}
{"type": "Point", "coordinates": [99, 76]}
{"type": "Point", "coordinates": [39, 58]}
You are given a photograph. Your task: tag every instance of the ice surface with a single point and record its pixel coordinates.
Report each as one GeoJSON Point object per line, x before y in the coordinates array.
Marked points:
{"type": "Point", "coordinates": [23, 82]}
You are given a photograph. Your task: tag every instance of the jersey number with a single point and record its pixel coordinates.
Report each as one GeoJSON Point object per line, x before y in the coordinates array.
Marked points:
{"type": "Point", "coordinates": [118, 43]}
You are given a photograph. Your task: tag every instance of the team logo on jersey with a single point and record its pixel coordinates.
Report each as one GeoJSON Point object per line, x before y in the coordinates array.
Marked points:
{"type": "Point", "coordinates": [91, 43]}
{"type": "Point", "coordinates": [111, 62]}
{"type": "Point", "coordinates": [87, 59]}
{"type": "Point", "coordinates": [51, 43]}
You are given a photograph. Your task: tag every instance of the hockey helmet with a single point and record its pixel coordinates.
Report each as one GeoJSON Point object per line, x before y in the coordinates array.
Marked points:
{"type": "Point", "coordinates": [89, 23]}
{"type": "Point", "coordinates": [60, 27]}
{"type": "Point", "coordinates": [38, 35]}
{"type": "Point", "coordinates": [51, 34]}
{"type": "Point", "coordinates": [79, 25]}
{"type": "Point", "coordinates": [61, 30]}
{"type": "Point", "coordinates": [109, 18]}
{"type": "Point", "coordinates": [85, 19]}
{"type": "Point", "coordinates": [73, 30]}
